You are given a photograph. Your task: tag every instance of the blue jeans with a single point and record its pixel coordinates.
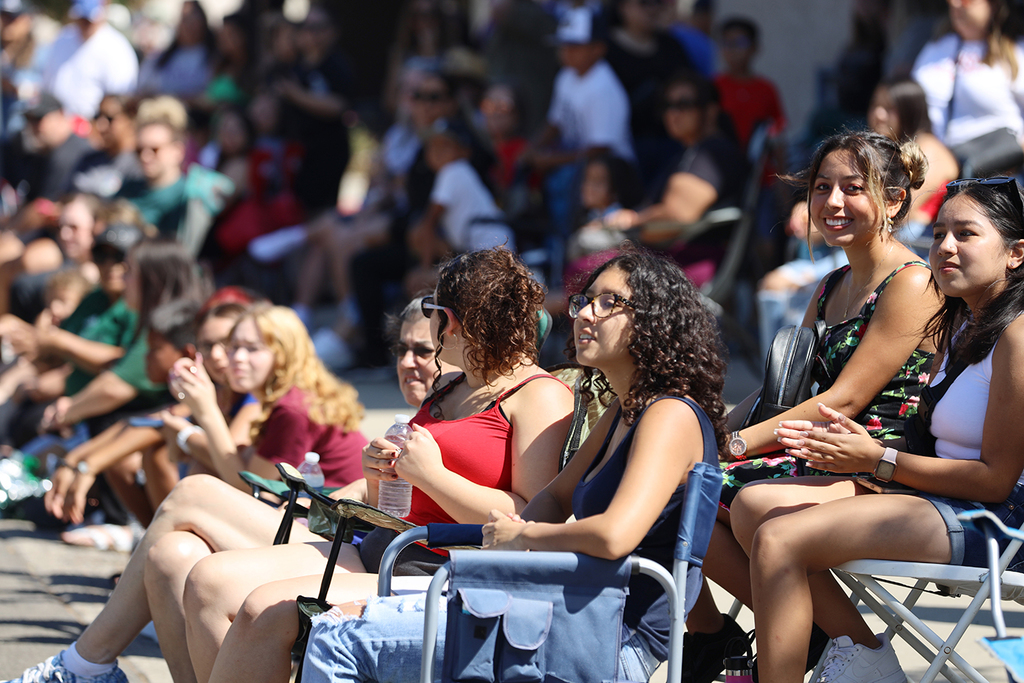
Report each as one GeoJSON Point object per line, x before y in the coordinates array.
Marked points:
{"type": "Point", "coordinates": [385, 645]}
{"type": "Point", "coordinates": [968, 547]}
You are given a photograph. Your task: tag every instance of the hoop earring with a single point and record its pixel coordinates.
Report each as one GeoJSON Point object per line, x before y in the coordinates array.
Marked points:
{"type": "Point", "coordinates": [447, 348]}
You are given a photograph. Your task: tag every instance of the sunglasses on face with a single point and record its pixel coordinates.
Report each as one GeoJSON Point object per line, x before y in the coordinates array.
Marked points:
{"type": "Point", "coordinates": [102, 256]}
{"type": "Point", "coordinates": [603, 304]}
{"type": "Point", "coordinates": [683, 104]}
{"type": "Point", "coordinates": [399, 350]}
{"type": "Point", "coordinates": [430, 97]}
{"type": "Point", "coordinates": [1007, 186]}
{"type": "Point", "coordinates": [427, 307]}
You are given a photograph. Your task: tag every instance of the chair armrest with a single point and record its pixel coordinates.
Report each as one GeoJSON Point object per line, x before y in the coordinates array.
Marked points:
{"type": "Point", "coordinates": [261, 484]}
{"type": "Point", "coordinates": [432, 536]}
{"type": "Point", "coordinates": [663, 231]}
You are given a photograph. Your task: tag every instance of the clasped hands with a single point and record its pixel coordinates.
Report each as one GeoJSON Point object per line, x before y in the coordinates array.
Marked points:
{"type": "Point", "coordinates": [837, 444]}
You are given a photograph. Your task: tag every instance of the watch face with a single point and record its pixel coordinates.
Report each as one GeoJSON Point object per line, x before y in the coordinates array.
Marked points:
{"type": "Point", "coordinates": [885, 470]}
{"type": "Point", "coordinates": [737, 446]}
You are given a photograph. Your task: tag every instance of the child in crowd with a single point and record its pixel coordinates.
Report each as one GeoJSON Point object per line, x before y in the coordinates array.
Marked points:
{"type": "Point", "coordinates": [462, 215]}
{"type": "Point", "coordinates": [64, 291]}
{"type": "Point", "coordinates": [609, 184]}
{"type": "Point", "coordinates": [747, 98]}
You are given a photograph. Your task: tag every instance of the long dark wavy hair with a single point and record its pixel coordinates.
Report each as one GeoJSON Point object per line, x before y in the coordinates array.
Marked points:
{"type": "Point", "coordinates": [498, 302]}
{"type": "Point", "coordinates": [981, 330]}
{"type": "Point", "coordinates": [674, 342]}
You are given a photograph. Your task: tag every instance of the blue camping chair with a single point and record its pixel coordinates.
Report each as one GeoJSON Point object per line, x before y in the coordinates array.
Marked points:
{"type": "Point", "coordinates": [512, 596]}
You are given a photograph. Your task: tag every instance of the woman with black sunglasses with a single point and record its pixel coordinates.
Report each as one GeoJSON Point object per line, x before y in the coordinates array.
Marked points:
{"type": "Point", "coordinates": [487, 438]}
{"type": "Point", "coordinates": [789, 528]}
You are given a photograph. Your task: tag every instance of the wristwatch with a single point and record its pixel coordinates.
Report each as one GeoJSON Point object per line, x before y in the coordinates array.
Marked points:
{"type": "Point", "coordinates": [885, 470]}
{"type": "Point", "coordinates": [737, 446]}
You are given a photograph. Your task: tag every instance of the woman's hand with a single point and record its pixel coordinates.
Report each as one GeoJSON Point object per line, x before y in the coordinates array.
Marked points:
{"type": "Point", "coordinates": [502, 531]}
{"type": "Point", "coordinates": [379, 460]}
{"type": "Point", "coordinates": [190, 384]}
{"type": "Point", "coordinates": [837, 445]}
{"type": "Point", "coordinates": [55, 415]}
{"type": "Point", "coordinates": [60, 482]}
{"type": "Point", "coordinates": [420, 459]}
{"type": "Point", "coordinates": [74, 501]}
{"type": "Point", "coordinates": [623, 219]}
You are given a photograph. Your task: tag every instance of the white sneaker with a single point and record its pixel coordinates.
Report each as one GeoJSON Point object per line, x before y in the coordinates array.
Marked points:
{"type": "Point", "coordinates": [847, 662]}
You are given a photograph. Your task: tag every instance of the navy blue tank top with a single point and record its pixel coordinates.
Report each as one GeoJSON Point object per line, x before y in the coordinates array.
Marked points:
{"type": "Point", "coordinates": [646, 606]}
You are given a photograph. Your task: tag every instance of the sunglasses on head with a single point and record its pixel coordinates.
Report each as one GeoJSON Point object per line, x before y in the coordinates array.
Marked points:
{"type": "Point", "coordinates": [1007, 186]}
{"type": "Point", "coordinates": [427, 307]}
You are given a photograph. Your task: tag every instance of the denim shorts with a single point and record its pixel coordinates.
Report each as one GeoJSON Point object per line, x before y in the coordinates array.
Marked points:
{"type": "Point", "coordinates": [968, 545]}
{"type": "Point", "coordinates": [386, 644]}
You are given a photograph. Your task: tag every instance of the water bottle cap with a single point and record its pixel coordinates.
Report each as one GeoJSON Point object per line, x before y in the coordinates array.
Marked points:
{"type": "Point", "coordinates": [312, 457]}
{"type": "Point", "coordinates": [402, 419]}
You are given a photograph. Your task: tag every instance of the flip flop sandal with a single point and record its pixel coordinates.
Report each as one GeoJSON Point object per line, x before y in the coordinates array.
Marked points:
{"type": "Point", "coordinates": [101, 537]}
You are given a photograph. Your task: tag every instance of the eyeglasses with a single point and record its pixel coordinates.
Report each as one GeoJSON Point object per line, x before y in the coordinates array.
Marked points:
{"type": "Point", "coordinates": [682, 104]}
{"type": "Point", "coordinates": [206, 348]}
{"type": "Point", "coordinates": [429, 96]}
{"type": "Point", "coordinates": [399, 350]}
{"type": "Point", "coordinates": [427, 306]}
{"type": "Point", "coordinates": [603, 304]}
{"type": "Point", "coordinates": [1006, 185]}
{"type": "Point", "coordinates": [106, 255]}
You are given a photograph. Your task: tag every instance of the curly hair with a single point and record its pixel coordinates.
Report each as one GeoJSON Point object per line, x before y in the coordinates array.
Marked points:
{"type": "Point", "coordinates": [497, 301]}
{"type": "Point", "coordinates": [329, 400]}
{"type": "Point", "coordinates": [674, 342]}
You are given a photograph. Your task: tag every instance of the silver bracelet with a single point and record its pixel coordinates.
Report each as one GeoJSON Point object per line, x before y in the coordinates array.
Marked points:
{"type": "Point", "coordinates": [183, 435]}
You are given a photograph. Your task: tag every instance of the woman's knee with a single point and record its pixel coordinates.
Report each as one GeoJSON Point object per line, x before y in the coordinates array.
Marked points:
{"type": "Point", "coordinates": [776, 542]}
{"type": "Point", "coordinates": [272, 609]}
{"type": "Point", "coordinates": [747, 511]}
{"type": "Point", "coordinates": [174, 556]}
{"type": "Point", "coordinates": [206, 582]}
{"type": "Point", "coordinates": [188, 494]}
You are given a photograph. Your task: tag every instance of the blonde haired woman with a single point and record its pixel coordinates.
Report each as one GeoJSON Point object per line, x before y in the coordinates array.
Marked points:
{"type": "Point", "coordinates": [304, 407]}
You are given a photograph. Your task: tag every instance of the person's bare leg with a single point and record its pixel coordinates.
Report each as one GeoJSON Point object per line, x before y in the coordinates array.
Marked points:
{"type": "Point", "coordinates": [222, 516]}
{"type": "Point", "coordinates": [161, 474]}
{"type": "Point", "coordinates": [218, 585]}
{"type": "Point", "coordinates": [790, 558]}
{"type": "Point", "coordinates": [122, 479]}
{"type": "Point", "coordinates": [257, 646]}
{"type": "Point", "coordinates": [309, 282]}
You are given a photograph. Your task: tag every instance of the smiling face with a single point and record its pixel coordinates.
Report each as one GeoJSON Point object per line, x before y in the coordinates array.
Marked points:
{"type": "Point", "coordinates": [841, 208]}
{"type": "Point", "coordinates": [414, 355]}
{"type": "Point", "coordinates": [250, 360]}
{"type": "Point", "coordinates": [968, 256]}
{"type": "Point", "coordinates": [603, 343]}
{"type": "Point", "coordinates": [211, 342]}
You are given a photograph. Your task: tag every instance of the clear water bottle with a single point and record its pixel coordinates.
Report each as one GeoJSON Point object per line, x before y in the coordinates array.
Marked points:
{"type": "Point", "coordinates": [395, 496]}
{"type": "Point", "coordinates": [311, 472]}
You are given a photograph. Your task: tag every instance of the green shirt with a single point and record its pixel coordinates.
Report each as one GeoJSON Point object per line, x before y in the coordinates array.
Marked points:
{"type": "Point", "coordinates": [114, 325]}
{"type": "Point", "coordinates": [165, 207]}
{"type": "Point", "coordinates": [132, 369]}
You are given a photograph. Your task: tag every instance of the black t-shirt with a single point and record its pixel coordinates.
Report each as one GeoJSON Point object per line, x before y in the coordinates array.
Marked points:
{"type": "Point", "coordinates": [49, 175]}
{"type": "Point", "coordinates": [325, 139]}
{"type": "Point", "coordinates": [642, 76]}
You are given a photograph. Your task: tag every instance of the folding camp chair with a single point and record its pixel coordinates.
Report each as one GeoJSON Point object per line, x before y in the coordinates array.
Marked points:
{"type": "Point", "coordinates": [860, 577]}
{"type": "Point", "coordinates": [535, 573]}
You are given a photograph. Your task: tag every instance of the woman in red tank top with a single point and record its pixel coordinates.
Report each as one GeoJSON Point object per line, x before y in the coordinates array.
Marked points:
{"type": "Point", "coordinates": [488, 438]}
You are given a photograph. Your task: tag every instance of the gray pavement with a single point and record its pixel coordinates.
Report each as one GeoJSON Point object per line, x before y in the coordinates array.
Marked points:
{"type": "Point", "coordinates": [49, 591]}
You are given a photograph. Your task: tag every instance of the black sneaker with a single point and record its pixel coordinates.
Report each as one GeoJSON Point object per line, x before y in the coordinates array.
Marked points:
{"type": "Point", "coordinates": [704, 653]}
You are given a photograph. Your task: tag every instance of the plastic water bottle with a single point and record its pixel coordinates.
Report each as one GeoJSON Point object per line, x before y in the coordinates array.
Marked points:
{"type": "Point", "coordinates": [395, 496]}
{"type": "Point", "coordinates": [311, 472]}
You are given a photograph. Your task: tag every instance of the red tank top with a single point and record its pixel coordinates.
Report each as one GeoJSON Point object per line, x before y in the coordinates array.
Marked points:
{"type": "Point", "coordinates": [478, 447]}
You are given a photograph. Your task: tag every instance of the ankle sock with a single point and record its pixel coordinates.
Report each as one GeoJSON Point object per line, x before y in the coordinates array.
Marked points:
{"type": "Point", "coordinates": [80, 666]}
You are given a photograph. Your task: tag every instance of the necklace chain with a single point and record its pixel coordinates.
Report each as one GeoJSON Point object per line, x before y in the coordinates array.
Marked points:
{"type": "Point", "coordinates": [871, 277]}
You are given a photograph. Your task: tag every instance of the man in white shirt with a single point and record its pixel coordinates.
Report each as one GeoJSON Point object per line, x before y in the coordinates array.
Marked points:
{"type": "Point", "coordinates": [589, 112]}
{"type": "Point", "coordinates": [89, 59]}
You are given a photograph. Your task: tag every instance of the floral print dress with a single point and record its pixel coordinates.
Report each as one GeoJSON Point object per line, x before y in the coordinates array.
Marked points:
{"type": "Point", "coordinates": [883, 417]}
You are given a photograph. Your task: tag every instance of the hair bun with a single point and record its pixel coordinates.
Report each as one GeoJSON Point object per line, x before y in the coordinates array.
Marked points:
{"type": "Point", "coordinates": [915, 163]}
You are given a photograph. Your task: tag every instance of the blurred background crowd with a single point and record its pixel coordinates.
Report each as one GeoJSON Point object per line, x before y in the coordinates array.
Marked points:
{"type": "Point", "coordinates": [326, 156]}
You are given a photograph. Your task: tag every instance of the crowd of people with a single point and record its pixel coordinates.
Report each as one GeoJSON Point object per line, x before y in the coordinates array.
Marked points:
{"type": "Point", "coordinates": [174, 234]}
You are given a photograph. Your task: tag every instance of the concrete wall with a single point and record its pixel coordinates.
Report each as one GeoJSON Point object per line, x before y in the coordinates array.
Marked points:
{"type": "Point", "coordinates": [797, 38]}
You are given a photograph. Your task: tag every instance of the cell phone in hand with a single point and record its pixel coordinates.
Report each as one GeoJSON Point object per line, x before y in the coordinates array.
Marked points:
{"type": "Point", "coordinates": [879, 486]}
{"type": "Point", "coordinates": [145, 421]}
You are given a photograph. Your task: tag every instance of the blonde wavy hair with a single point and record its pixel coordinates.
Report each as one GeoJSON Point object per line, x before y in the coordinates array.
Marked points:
{"type": "Point", "coordinates": [329, 400]}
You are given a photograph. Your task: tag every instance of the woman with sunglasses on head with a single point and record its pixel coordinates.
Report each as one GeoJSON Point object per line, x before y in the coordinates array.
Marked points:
{"type": "Point", "coordinates": [487, 438]}
{"type": "Point", "coordinates": [873, 360]}
{"type": "Point", "coordinates": [641, 330]}
{"type": "Point", "coordinates": [789, 528]}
